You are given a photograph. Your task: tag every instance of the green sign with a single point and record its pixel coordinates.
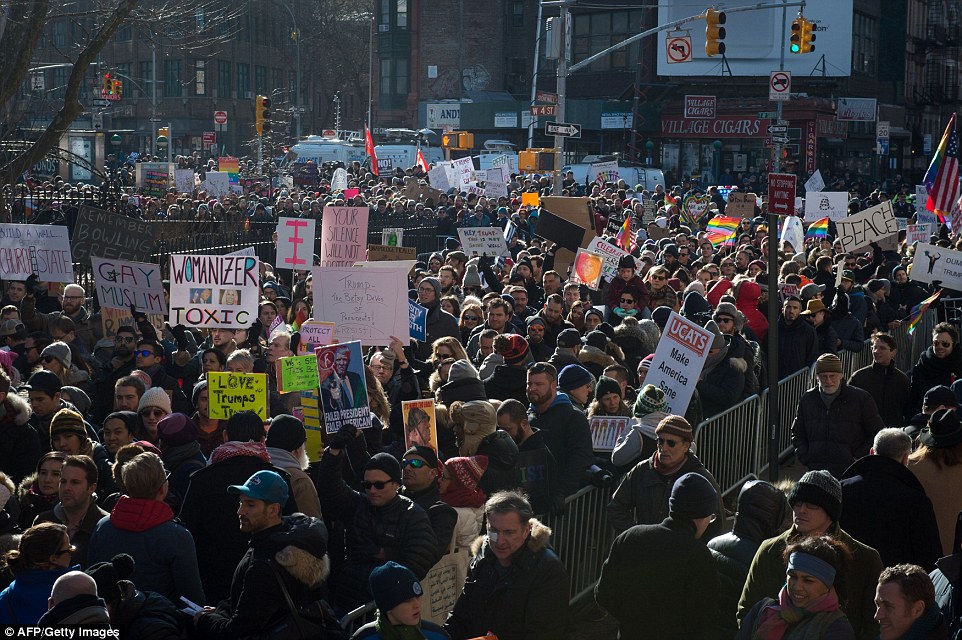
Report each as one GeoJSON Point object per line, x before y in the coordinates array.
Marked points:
{"type": "Point", "coordinates": [297, 373]}
{"type": "Point", "coordinates": [768, 115]}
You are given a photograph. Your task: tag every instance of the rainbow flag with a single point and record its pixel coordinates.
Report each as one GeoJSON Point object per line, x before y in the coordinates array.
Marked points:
{"type": "Point", "coordinates": [818, 229]}
{"type": "Point", "coordinates": [300, 319]}
{"type": "Point", "coordinates": [722, 229]}
{"type": "Point", "coordinates": [623, 237]}
{"type": "Point", "coordinates": [919, 310]}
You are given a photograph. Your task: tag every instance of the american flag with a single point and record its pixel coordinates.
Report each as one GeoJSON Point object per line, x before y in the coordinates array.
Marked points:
{"type": "Point", "coordinates": [942, 177]}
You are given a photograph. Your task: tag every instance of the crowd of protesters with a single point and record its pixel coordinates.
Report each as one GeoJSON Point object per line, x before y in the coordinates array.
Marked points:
{"type": "Point", "coordinates": [125, 503]}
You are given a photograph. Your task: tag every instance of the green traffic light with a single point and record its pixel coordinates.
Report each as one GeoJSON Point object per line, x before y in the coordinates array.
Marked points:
{"type": "Point", "coordinates": [795, 48]}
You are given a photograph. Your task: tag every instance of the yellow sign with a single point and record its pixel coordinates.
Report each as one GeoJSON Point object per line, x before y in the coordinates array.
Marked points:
{"type": "Point", "coordinates": [230, 393]}
{"type": "Point", "coordinates": [297, 373]}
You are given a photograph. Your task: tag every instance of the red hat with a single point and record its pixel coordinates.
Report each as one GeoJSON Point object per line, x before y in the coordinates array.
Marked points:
{"type": "Point", "coordinates": [517, 349]}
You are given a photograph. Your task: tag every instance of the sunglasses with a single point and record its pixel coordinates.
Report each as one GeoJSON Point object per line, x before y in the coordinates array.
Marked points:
{"type": "Point", "coordinates": [658, 277]}
{"type": "Point", "coordinates": [144, 353]}
{"type": "Point", "coordinates": [472, 318]}
{"type": "Point", "coordinates": [153, 412]}
{"type": "Point", "coordinates": [48, 359]}
{"type": "Point", "coordinates": [378, 484]}
{"type": "Point", "coordinates": [671, 444]}
{"type": "Point", "coordinates": [935, 343]}
{"type": "Point", "coordinates": [416, 464]}
{"type": "Point", "coordinates": [124, 338]}
{"type": "Point", "coordinates": [628, 300]}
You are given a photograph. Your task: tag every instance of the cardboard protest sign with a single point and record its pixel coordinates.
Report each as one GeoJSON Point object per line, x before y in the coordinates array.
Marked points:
{"type": "Point", "coordinates": [933, 263]}
{"type": "Point", "coordinates": [295, 243]}
{"type": "Point", "coordinates": [214, 291]}
{"type": "Point", "coordinates": [495, 189]}
{"type": "Point", "coordinates": [438, 177]}
{"type": "Point", "coordinates": [26, 249]}
{"type": "Point", "coordinates": [830, 204]}
{"type": "Point", "coordinates": [529, 199]}
{"type": "Point", "coordinates": [417, 321]}
{"type": "Point", "coordinates": [340, 371]}
{"type": "Point", "coordinates": [876, 224]}
{"type": "Point", "coordinates": [602, 172]}
{"type": "Point", "coordinates": [917, 233]}
{"type": "Point", "coordinates": [605, 431]}
{"type": "Point", "coordinates": [815, 183]}
{"type": "Point", "coordinates": [368, 304]}
{"type": "Point", "coordinates": [393, 237]}
{"type": "Point", "coordinates": [740, 205]}
{"type": "Point", "coordinates": [113, 319]}
{"type": "Point", "coordinates": [611, 254]}
{"type": "Point", "coordinates": [420, 424]}
{"type": "Point", "coordinates": [100, 233]}
{"type": "Point", "coordinates": [184, 180]}
{"type": "Point", "coordinates": [343, 235]}
{"type": "Point", "coordinates": [587, 269]}
{"type": "Point", "coordinates": [314, 334]}
{"type": "Point", "coordinates": [383, 252]}
{"type": "Point", "coordinates": [678, 361]}
{"type": "Point", "coordinates": [121, 284]}
{"type": "Point", "coordinates": [483, 241]}
{"type": "Point", "coordinates": [297, 373]}
{"type": "Point", "coordinates": [560, 231]}
{"type": "Point", "coordinates": [229, 393]}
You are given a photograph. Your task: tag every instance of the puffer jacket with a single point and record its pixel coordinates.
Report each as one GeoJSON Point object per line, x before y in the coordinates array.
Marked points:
{"type": "Point", "coordinates": [507, 382]}
{"type": "Point", "coordinates": [746, 301]}
{"type": "Point", "coordinates": [833, 438]}
{"type": "Point", "coordinates": [19, 442]}
{"type": "Point", "coordinates": [568, 438]}
{"type": "Point", "coordinates": [722, 382]}
{"type": "Point", "coordinates": [931, 371]}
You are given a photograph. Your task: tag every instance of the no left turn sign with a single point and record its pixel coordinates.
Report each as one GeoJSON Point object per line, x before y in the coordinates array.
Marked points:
{"type": "Point", "coordinates": [678, 49]}
{"type": "Point", "coordinates": [779, 85]}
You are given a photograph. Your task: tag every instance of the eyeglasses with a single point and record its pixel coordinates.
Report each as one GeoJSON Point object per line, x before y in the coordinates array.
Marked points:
{"type": "Point", "coordinates": [627, 300]}
{"type": "Point", "coordinates": [48, 359]}
{"type": "Point", "coordinates": [124, 338]}
{"type": "Point", "coordinates": [472, 318]}
{"type": "Point", "coordinates": [445, 355]}
{"type": "Point", "coordinates": [378, 484]}
{"type": "Point", "coordinates": [425, 289]}
{"type": "Point", "coordinates": [935, 343]}
{"type": "Point", "coordinates": [61, 552]}
{"type": "Point", "coordinates": [144, 353]}
{"type": "Point", "coordinates": [671, 444]}
{"type": "Point", "coordinates": [654, 277]}
{"type": "Point", "coordinates": [153, 413]}
{"type": "Point", "coordinates": [414, 463]}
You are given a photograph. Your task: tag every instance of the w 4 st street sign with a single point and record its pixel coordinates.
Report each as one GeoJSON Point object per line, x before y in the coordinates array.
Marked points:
{"type": "Point", "coordinates": [563, 129]}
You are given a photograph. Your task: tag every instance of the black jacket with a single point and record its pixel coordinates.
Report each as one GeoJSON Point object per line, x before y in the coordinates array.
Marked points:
{"type": "Point", "coordinates": [797, 346]}
{"type": "Point", "coordinates": [568, 438]}
{"type": "Point", "coordinates": [930, 372]}
{"type": "Point", "coordinates": [502, 454]}
{"type": "Point", "coordinates": [443, 517]}
{"type": "Point", "coordinates": [19, 442]}
{"type": "Point", "coordinates": [149, 616]}
{"type": "Point", "coordinates": [465, 390]}
{"type": "Point", "coordinates": [885, 506]}
{"type": "Point", "coordinates": [439, 323]}
{"type": "Point", "coordinates": [890, 388]}
{"type": "Point", "coordinates": [507, 382]}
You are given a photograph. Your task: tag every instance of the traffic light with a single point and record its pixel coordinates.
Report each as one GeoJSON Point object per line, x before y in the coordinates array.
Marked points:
{"type": "Point", "coordinates": [262, 115]}
{"type": "Point", "coordinates": [533, 160]}
{"type": "Point", "coordinates": [118, 89]}
{"type": "Point", "coordinates": [808, 36]}
{"type": "Point", "coordinates": [457, 140]}
{"type": "Point", "coordinates": [714, 33]}
{"type": "Point", "coordinates": [107, 89]}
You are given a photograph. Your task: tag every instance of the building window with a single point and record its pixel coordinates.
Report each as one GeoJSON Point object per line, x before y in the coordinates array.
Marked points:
{"type": "Point", "coordinates": [59, 83]}
{"type": "Point", "coordinates": [223, 79]}
{"type": "Point", "coordinates": [595, 32]}
{"type": "Point", "coordinates": [402, 14]}
{"type": "Point", "coordinates": [384, 14]}
{"type": "Point", "coordinates": [200, 77]}
{"type": "Point", "coordinates": [243, 79]}
{"type": "Point", "coordinates": [59, 35]}
{"type": "Point", "coordinates": [173, 78]}
{"type": "Point", "coordinates": [125, 33]}
{"type": "Point", "coordinates": [384, 77]}
{"type": "Point", "coordinates": [260, 80]}
{"type": "Point", "coordinates": [146, 79]}
{"type": "Point", "coordinates": [517, 13]}
{"type": "Point", "coordinates": [864, 44]}
{"type": "Point", "coordinates": [394, 81]}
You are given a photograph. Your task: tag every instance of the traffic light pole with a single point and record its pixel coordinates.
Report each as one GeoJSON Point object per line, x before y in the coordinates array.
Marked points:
{"type": "Point", "coordinates": [559, 141]}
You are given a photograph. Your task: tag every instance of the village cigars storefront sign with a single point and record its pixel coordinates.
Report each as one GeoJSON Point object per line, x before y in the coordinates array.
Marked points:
{"type": "Point", "coordinates": [747, 126]}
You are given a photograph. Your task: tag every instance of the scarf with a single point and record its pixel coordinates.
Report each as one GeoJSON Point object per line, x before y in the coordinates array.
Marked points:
{"type": "Point", "coordinates": [921, 628]}
{"type": "Point", "coordinates": [177, 455]}
{"type": "Point", "coordinates": [390, 631]}
{"type": "Point", "coordinates": [662, 469]}
{"type": "Point", "coordinates": [775, 620]}
{"type": "Point", "coordinates": [233, 449]}
{"type": "Point", "coordinates": [139, 514]}
{"type": "Point", "coordinates": [625, 313]}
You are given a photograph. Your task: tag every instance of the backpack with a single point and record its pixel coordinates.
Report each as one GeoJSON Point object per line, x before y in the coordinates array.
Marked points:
{"type": "Point", "coordinates": [315, 620]}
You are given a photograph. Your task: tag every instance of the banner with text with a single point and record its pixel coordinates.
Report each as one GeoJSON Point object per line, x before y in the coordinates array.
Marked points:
{"type": "Point", "coordinates": [230, 393]}
{"type": "Point", "coordinates": [297, 373]}
{"type": "Point", "coordinates": [26, 249]}
{"type": "Point", "coordinates": [106, 235]}
{"type": "Point", "coordinates": [678, 361]}
{"type": "Point", "coordinates": [121, 284]}
{"type": "Point", "coordinates": [214, 291]}
{"type": "Point", "coordinates": [933, 263]}
{"type": "Point", "coordinates": [343, 235]}
{"type": "Point", "coordinates": [876, 224]}
{"type": "Point", "coordinates": [483, 241]}
{"type": "Point", "coordinates": [367, 304]}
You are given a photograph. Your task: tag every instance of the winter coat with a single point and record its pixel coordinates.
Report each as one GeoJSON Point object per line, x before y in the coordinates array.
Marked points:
{"type": "Point", "coordinates": [888, 386]}
{"type": "Point", "coordinates": [669, 595]}
{"type": "Point", "coordinates": [833, 438]}
{"type": "Point", "coordinates": [31, 502]}
{"type": "Point", "coordinates": [443, 517]}
{"type": "Point", "coordinates": [638, 441]}
{"type": "Point", "coordinates": [428, 629]}
{"type": "Point", "coordinates": [181, 461]}
{"type": "Point", "coordinates": [527, 601]}
{"type": "Point", "coordinates": [86, 331]}
{"type": "Point", "coordinates": [19, 442]}
{"type": "Point", "coordinates": [827, 338]}
{"type": "Point", "coordinates": [83, 609]}
{"type": "Point", "coordinates": [568, 438]}
{"type": "Point", "coordinates": [631, 339]}
{"type": "Point", "coordinates": [562, 357]}
{"type": "Point", "coordinates": [946, 502]}
{"type": "Point", "coordinates": [749, 294]}
{"type": "Point", "coordinates": [797, 346]}
{"type": "Point", "coordinates": [439, 324]}
{"type": "Point", "coordinates": [664, 297]}
{"type": "Point", "coordinates": [81, 537]}
{"type": "Point", "coordinates": [947, 580]}
{"type": "Point", "coordinates": [305, 494]}
{"type": "Point", "coordinates": [617, 286]}
{"type": "Point", "coordinates": [298, 550]}
{"type": "Point", "coordinates": [824, 625]}
{"type": "Point", "coordinates": [847, 326]}
{"type": "Point", "coordinates": [642, 496]}
{"type": "Point", "coordinates": [163, 550]}
{"type": "Point", "coordinates": [723, 385]}
{"type": "Point", "coordinates": [886, 507]}
{"type": "Point", "coordinates": [931, 371]}
{"type": "Point", "coordinates": [148, 616]}
{"type": "Point", "coordinates": [907, 295]}
{"type": "Point", "coordinates": [767, 575]}
{"type": "Point", "coordinates": [507, 382]}
{"type": "Point", "coordinates": [502, 454]}
{"type": "Point", "coordinates": [594, 360]}
{"type": "Point", "coordinates": [25, 600]}
{"type": "Point", "coordinates": [463, 390]}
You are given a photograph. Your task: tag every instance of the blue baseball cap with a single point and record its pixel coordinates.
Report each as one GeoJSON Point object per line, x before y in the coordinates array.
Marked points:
{"type": "Point", "coordinates": [268, 486]}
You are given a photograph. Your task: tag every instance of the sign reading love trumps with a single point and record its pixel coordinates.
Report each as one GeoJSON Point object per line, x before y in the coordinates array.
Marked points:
{"type": "Point", "coordinates": [214, 291]}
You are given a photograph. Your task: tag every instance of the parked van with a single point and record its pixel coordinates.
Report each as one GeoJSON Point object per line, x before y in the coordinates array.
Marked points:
{"type": "Point", "coordinates": [647, 177]}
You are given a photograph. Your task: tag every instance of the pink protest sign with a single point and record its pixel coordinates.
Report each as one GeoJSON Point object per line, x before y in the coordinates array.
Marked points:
{"type": "Point", "coordinates": [343, 236]}
{"type": "Point", "coordinates": [295, 243]}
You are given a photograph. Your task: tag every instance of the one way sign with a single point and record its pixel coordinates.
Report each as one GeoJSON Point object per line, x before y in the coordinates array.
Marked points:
{"type": "Point", "coordinates": [563, 129]}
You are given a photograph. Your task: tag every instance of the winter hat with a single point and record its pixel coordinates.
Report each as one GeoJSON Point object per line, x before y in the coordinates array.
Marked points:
{"type": "Point", "coordinates": [875, 285]}
{"type": "Point", "coordinates": [392, 584]}
{"type": "Point", "coordinates": [195, 394]}
{"type": "Point", "coordinates": [607, 385]}
{"type": "Point", "coordinates": [626, 262]}
{"type": "Point", "coordinates": [78, 397]}
{"type": "Point", "coordinates": [462, 370]}
{"type": "Point", "coordinates": [574, 376]}
{"type": "Point", "coordinates": [726, 309]}
{"type": "Point", "coordinates": [468, 469]}
{"type": "Point", "coordinates": [286, 432]}
{"type": "Point", "coordinates": [108, 574]}
{"type": "Point", "coordinates": [944, 429]}
{"type": "Point", "coordinates": [434, 282]}
{"type": "Point", "coordinates": [387, 463]}
{"type": "Point", "coordinates": [514, 348]}
{"type": "Point", "coordinates": [154, 397]}
{"type": "Point", "coordinates": [593, 311]}
{"type": "Point", "coordinates": [650, 400]}
{"type": "Point", "coordinates": [471, 276]}
{"type": "Point", "coordinates": [940, 396]}
{"type": "Point", "coordinates": [429, 455]}
{"type": "Point", "coordinates": [670, 250]}
{"type": "Point", "coordinates": [718, 342]}
{"type": "Point", "coordinates": [646, 361]}
{"type": "Point", "coordinates": [176, 429]}
{"type": "Point", "coordinates": [532, 320]}
{"type": "Point", "coordinates": [820, 488]}
{"type": "Point", "coordinates": [673, 425]}
{"type": "Point", "coordinates": [569, 338]}
{"type": "Point", "coordinates": [828, 363]}
{"type": "Point", "coordinates": [692, 497]}
{"type": "Point", "coordinates": [129, 418]}
{"type": "Point", "coordinates": [596, 339]}
{"type": "Point", "coordinates": [68, 421]}
{"type": "Point", "coordinates": [660, 315]}
{"type": "Point", "coordinates": [478, 417]}
{"type": "Point", "coordinates": [59, 351]}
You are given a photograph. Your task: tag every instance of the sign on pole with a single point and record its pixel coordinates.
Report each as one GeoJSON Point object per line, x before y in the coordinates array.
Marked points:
{"type": "Point", "coordinates": [779, 86]}
{"type": "Point", "coordinates": [563, 129]}
{"type": "Point", "coordinates": [781, 193]}
{"type": "Point", "coordinates": [678, 49]}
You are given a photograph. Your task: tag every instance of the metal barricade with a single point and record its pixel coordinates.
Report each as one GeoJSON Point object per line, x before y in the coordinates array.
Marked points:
{"type": "Point", "coordinates": [357, 618]}
{"type": "Point", "coordinates": [727, 443]}
{"type": "Point", "coordinates": [852, 361]}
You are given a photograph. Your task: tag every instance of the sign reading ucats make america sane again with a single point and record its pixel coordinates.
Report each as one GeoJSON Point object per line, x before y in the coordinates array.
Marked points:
{"type": "Point", "coordinates": [678, 361]}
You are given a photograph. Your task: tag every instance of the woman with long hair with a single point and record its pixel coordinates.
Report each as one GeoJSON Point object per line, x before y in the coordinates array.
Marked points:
{"type": "Point", "coordinates": [40, 491]}
{"type": "Point", "coordinates": [470, 318]}
{"type": "Point", "coordinates": [42, 556]}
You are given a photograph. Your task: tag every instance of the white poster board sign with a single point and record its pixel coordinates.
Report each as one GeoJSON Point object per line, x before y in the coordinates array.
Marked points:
{"type": "Point", "coordinates": [339, 179]}
{"type": "Point", "coordinates": [934, 263]}
{"type": "Point", "coordinates": [462, 171]}
{"type": "Point", "coordinates": [214, 291]}
{"type": "Point", "coordinates": [603, 172]}
{"type": "Point", "coordinates": [438, 176]}
{"type": "Point", "coordinates": [872, 225]}
{"type": "Point", "coordinates": [917, 233]}
{"type": "Point", "coordinates": [826, 204]}
{"type": "Point", "coordinates": [295, 243]}
{"type": "Point", "coordinates": [792, 233]}
{"type": "Point", "coordinates": [42, 249]}
{"type": "Point", "coordinates": [184, 180]}
{"type": "Point", "coordinates": [121, 283]}
{"type": "Point", "coordinates": [343, 235]}
{"type": "Point", "coordinates": [815, 183]}
{"type": "Point", "coordinates": [217, 184]}
{"type": "Point", "coordinates": [678, 361]}
{"type": "Point", "coordinates": [483, 241]}
{"type": "Point", "coordinates": [367, 304]}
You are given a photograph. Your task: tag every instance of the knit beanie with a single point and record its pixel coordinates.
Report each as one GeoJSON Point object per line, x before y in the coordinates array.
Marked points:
{"type": "Point", "coordinates": [726, 309]}
{"type": "Point", "coordinates": [607, 385]}
{"type": "Point", "coordinates": [516, 349]}
{"type": "Point", "coordinates": [650, 400]}
{"type": "Point", "coordinates": [692, 497]}
{"type": "Point", "coordinates": [593, 311]}
{"type": "Point", "coordinates": [468, 469]}
{"type": "Point", "coordinates": [646, 361]}
{"type": "Point", "coordinates": [461, 370]}
{"type": "Point", "coordinates": [387, 463]}
{"type": "Point", "coordinates": [108, 574]}
{"type": "Point", "coordinates": [828, 363]}
{"type": "Point", "coordinates": [434, 282]}
{"type": "Point", "coordinates": [78, 397]}
{"type": "Point", "coordinates": [154, 397]}
{"type": "Point", "coordinates": [286, 432]}
{"type": "Point", "coordinates": [718, 341]}
{"type": "Point", "coordinates": [471, 276]}
{"type": "Point", "coordinates": [195, 394]}
{"type": "Point", "coordinates": [596, 339]}
{"type": "Point", "coordinates": [820, 488]}
{"type": "Point", "coordinates": [176, 429]}
{"type": "Point", "coordinates": [675, 426]}
{"type": "Point", "coordinates": [68, 421]}
{"type": "Point", "coordinates": [59, 351]}
{"type": "Point", "coordinates": [574, 376]}
{"type": "Point", "coordinates": [429, 455]}
{"type": "Point", "coordinates": [392, 584]}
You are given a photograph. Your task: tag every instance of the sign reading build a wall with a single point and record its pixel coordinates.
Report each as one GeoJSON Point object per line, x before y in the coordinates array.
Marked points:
{"type": "Point", "coordinates": [26, 249]}
{"type": "Point", "coordinates": [106, 235]}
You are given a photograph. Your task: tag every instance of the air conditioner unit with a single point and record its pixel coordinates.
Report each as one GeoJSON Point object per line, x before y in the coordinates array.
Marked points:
{"type": "Point", "coordinates": [382, 28]}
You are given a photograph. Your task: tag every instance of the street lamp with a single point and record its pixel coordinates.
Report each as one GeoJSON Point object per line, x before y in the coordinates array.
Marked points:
{"type": "Point", "coordinates": [115, 139]}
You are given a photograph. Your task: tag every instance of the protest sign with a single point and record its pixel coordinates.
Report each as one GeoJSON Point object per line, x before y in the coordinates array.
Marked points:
{"type": "Point", "coordinates": [417, 321]}
{"type": "Point", "coordinates": [366, 304]}
{"type": "Point", "coordinates": [933, 263]}
{"type": "Point", "coordinates": [461, 170]}
{"type": "Point", "coordinates": [740, 205]}
{"type": "Point", "coordinates": [153, 178]}
{"type": "Point", "coordinates": [246, 251]}
{"type": "Point", "coordinates": [113, 319]}
{"type": "Point", "coordinates": [42, 249]}
{"type": "Point", "coordinates": [214, 291]}
{"type": "Point", "coordinates": [383, 252]}
{"type": "Point", "coordinates": [351, 193]}
{"type": "Point", "coordinates": [611, 254]}
{"type": "Point", "coordinates": [184, 180]}
{"type": "Point", "coordinates": [297, 373]}
{"type": "Point", "coordinates": [529, 199]}
{"type": "Point", "coordinates": [106, 235]}
{"type": "Point", "coordinates": [815, 183]}
{"type": "Point", "coordinates": [793, 233]}
{"type": "Point", "coordinates": [420, 425]}
{"type": "Point", "coordinates": [562, 232]}
{"type": "Point", "coordinates": [438, 177]}
{"type": "Point", "coordinates": [483, 241]}
{"type": "Point", "coordinates": [917, 233]}
{"type": "Point", "coordinates": [587, 269]}
{"type": "Point", "coordinates": [393, 237]}
{"type": "Point", "coordinates": [695, 206]}
{"type": "Point", "coordinates": [605, 431]}
{"type": "Point", "coordinates": [121, 284]}
{"type": "Point", "coordinates": [495, 189]}
{"type": "Point", "coordinates": [876, 224]}
{"type": "Point", "coordinates": [295, 243]}
{"type": "Point", "coordinates": [830, 204]}
{"type": "Point", "coordinates": [340, 372]}
{"type": "Point", "coordinates": [314, 334]}
{"type": "Point", "coordinates": [339, 179]}
{"type": "Point", "coordinates": [678, 361]}
{"type": "Point", "coordinates": [602, 172]}
{"type": "Point", "coordinates": [228, 393]}
{"type": "Point", "coordinates": [343, 235]}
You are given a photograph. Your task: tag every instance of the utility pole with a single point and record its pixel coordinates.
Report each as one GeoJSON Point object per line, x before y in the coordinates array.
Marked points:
{"type": "Point", "coordinates": [559, 141]}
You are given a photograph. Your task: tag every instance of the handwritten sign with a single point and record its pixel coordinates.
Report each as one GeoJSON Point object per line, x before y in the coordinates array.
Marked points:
{"type": "Point", "coordinates": [678, 361]}
{"type": "Point", "coordinates": [483, 241]}
{"type": "Point", "coordinates": [121, 284]}
{"type": "Point", "coordinates": [214, 291]}
{"type": "Point", "coordinates": [933, 263]}
{"type": "Point", "coordinates": [830, 204]}
{"type": "Point", "coordinates": [113, 319]}
{"type": "Point", "coordinates": [339, 179]}
{"type": "Point", "coordinates": [918, 233]}
{"type": "Point", "coordinates": [587, 268]}
{"type": "Point", "coordinates": [295, 243]}
{"type": "Point", "coordinates": [314, 334]}
{"type": "Point", "coordinates": [438, 177]}
{"type": "Point", "coordinates": [343, 235]}
{"type": "Point", "coordinates": [740, 205]}
{"type": "Point", "coordinates": [100, 233]}
{"type": "Point", "coordinates": [611, 254]}
{"type": "Point", "coordinates": [420, 426]}
{"type": "Point", "coordinates": [153, 178]}
{"type": "Point", "coordinates": [417, 321]}
{"type": "Point", "coordinates": [367, 304]}
{"type": "Point", "coordinates": [230, 393]}
{"type": "Point", "coordinates": [340, 372]}
{"type": "Point", "coordinates": [605, 431]}
{"type": "Point", "coordinates": [184, 180]}
{"type": "Point", "coordinates": [35, 248]}
{"type": "Point", "coordinates": [297, 373]}
{"type": "Point", "coordinates": [461, 171]}
{"type": "Point", "coordinates": [384, 252]}
{"type": "Point", "coordinates": [815, 183]}
{"type": "Point", "coordinates": [872, 225]}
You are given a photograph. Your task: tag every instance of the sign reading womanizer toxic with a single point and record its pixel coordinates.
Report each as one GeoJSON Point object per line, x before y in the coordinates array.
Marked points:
{"type": "Point", "coordinates": [214, 291]}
